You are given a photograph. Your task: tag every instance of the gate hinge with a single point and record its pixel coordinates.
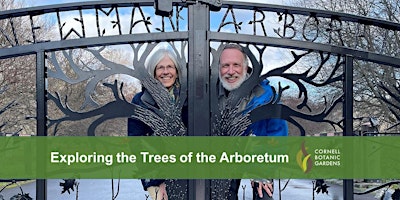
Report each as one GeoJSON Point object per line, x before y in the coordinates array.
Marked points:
{"type": "Point", "coordinates": [215, 5]}
{"type": "Point", "coordinates": [164, 7]}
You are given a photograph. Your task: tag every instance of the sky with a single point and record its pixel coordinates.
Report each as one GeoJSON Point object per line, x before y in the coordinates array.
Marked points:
{"type": "Point", "coordinates": [278, 61]}
{"type": "Point", "coordinates": [47, 2]}
{"type": "Point", "coordinates": [280, 57]}
{"type": "Point", "coordinates": [276, 57]}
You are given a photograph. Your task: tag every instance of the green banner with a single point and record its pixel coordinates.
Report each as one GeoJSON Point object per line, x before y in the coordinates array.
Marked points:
{"type": "Point", "coordinates": [200, 157]}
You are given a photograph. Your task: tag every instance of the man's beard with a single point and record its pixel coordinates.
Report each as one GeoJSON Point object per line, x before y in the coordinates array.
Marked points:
{"type": "Point", "coordinates": [232, 86]}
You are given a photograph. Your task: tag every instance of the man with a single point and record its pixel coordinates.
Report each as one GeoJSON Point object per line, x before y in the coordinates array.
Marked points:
{"type": "Point", "coordinates": [233, 71]}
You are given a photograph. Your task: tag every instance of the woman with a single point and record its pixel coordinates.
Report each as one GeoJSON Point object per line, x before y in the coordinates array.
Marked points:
{"type": "Point", "coordinates": [164, 67]}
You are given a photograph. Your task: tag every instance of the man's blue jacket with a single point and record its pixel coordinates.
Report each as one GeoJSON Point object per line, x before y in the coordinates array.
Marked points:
{"type": "Point", "coordinates": [266, 127]}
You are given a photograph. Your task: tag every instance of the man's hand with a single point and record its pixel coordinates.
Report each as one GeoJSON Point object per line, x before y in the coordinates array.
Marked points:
{"type": "Point", "coordinates": [265, 185]}
{"type": "Point", "coordinates": [158, 193]}
{"type": "Point", "coordinates": [162, 193]}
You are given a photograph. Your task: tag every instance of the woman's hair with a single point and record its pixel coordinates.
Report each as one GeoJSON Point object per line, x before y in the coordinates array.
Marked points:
{"type": "Point", "coordinates": [157, 56]}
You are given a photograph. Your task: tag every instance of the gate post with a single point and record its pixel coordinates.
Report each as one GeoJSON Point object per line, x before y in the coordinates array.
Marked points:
{"type": "Point", "coordinates": [198, 83]}
{"type": "Point", "coordinates": [41, 113]}
{"type": "Point", "coordinates": [348, 117]}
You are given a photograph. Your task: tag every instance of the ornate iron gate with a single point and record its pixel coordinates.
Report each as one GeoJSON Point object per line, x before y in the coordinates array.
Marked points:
{"type": "Point", "coordinates": [311, 45]}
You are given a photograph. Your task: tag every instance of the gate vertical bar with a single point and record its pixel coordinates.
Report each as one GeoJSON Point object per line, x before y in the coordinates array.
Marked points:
{"type": "Point", "coordinates": [198, 80]}
{"type": "Point", "coordinates": [41, 112]}
{"type": "Point", "coordinates": [348, 118]}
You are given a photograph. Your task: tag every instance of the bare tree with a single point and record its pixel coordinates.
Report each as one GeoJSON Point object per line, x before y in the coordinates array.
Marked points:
{"type": "Point", "coordinates": [367, 76]}
{"type": "Point", "coordinates": [17, 75]}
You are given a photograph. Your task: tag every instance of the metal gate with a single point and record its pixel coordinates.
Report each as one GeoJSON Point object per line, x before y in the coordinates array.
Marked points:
{"type": "Point", "coordinates": [304, 52]}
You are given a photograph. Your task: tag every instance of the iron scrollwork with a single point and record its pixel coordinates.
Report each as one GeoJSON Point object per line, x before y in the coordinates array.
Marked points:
{"type": "Point", "coordinates": [228, 120]}
{"type": "Point", "coordinates": [76, 25]}
{"type": "Point", "coordinates": [166, 114]}
{"type": "Point", "coordinates": [281, 22]}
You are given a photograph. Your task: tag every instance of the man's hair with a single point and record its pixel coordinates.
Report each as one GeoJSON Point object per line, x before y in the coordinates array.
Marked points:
{"type": "Point", "coordinates": [242, 78]}
{"type": "Point", "coordinates": [240, 48]}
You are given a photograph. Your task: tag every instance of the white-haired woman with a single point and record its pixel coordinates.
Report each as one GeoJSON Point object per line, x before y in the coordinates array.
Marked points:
{"type": "Point", "coordinates": [163, 66]}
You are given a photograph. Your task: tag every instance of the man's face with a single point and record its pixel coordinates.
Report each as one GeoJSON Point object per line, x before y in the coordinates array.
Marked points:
{"type": "Point", "coordinates": [232, 73]}
{"type": "Point", "coordinates": [166, 72]}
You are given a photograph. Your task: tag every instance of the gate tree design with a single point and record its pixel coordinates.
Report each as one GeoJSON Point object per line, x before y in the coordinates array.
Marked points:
{"type": "Point", "coordinates": [79, 80]}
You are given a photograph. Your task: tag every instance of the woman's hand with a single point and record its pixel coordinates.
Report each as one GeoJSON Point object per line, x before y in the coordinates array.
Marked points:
{"type": "Point", "coordinates": [263, 185]}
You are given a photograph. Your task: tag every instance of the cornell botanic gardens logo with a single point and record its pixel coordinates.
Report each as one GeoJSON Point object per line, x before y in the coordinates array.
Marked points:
{"type": "Point", "coordinates": [321, 157]}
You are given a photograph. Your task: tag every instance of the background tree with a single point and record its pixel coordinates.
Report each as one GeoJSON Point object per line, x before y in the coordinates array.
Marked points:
{"type": "Point", "coordinates": [367, 76]}
{"type": "Point", "coordinates": [17, 76]}
{"type": "Point", "coordinates": [18, 79]}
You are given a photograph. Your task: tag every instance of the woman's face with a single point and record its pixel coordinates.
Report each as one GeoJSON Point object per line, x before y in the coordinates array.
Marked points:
{"type": "Point", "coordinates": [166, 72]}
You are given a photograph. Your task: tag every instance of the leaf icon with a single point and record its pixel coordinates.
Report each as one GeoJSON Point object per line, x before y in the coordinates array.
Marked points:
{"type": "Point", "coordinates": [303, 159]}
{"type": "Point", "coordinates": [298, 157]}
{"type": "Point", "coordinates": [304, 165]}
